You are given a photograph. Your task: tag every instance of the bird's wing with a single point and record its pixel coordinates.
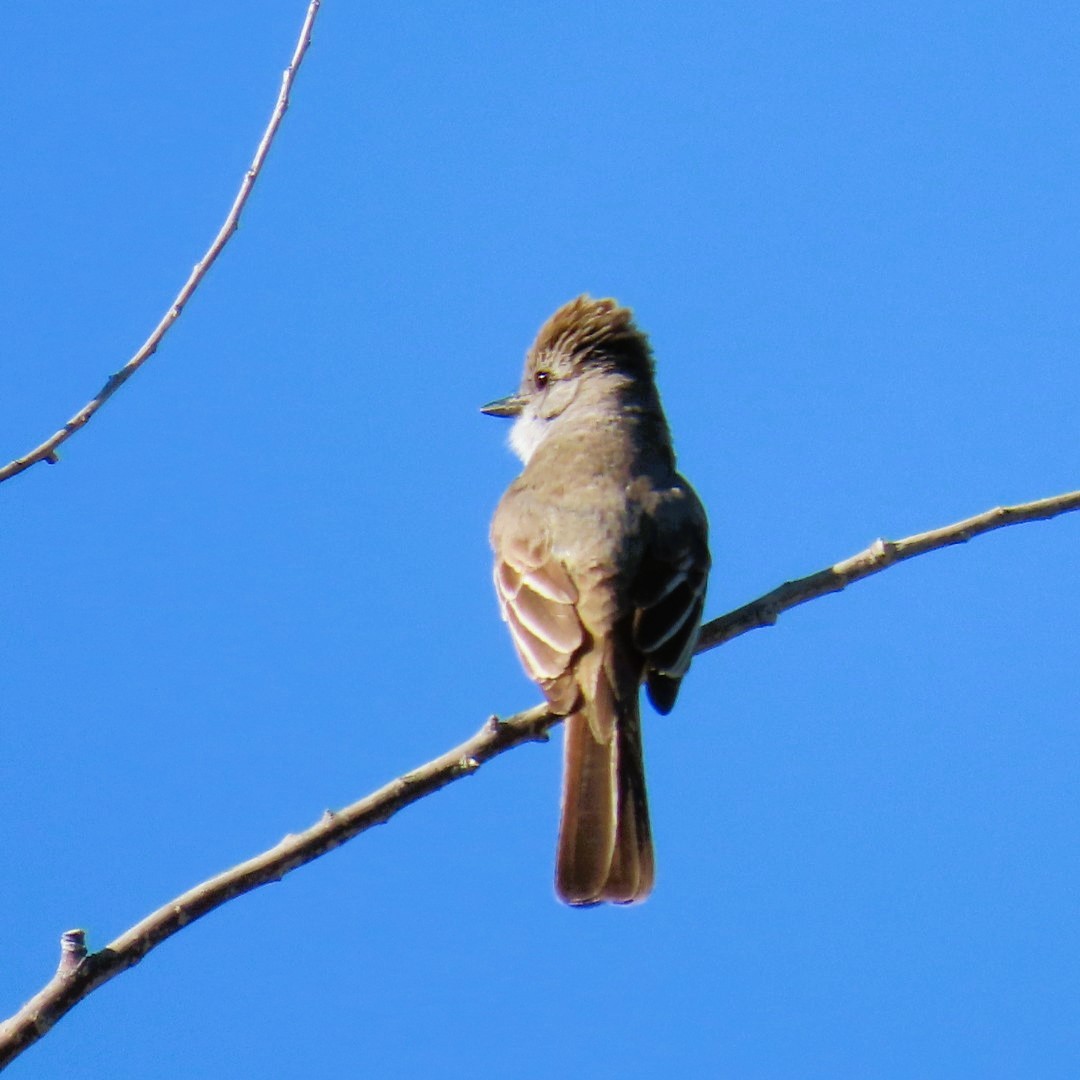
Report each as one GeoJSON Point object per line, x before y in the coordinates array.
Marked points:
{"type": "Point", "coordinates": [669, 592]}
{"type": "Point", "coordinates": [538, 597]}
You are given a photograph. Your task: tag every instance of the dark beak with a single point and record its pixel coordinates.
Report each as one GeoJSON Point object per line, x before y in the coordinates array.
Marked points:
{"type": "Point", "coordinates": [507, 406]}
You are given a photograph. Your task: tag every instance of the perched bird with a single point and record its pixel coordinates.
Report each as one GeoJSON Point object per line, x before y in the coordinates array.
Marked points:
{"type": "Point", "coordinates": [601, 561]}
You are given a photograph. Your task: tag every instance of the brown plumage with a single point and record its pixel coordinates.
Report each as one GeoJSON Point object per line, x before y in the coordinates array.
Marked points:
{"type": "Point", "coordinates": [601, 565]}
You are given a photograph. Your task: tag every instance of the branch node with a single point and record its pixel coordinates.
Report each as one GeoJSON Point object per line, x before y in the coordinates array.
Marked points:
{"type": "Point", "coordinates": [72, 951]}
{"type": "Point", "coordinates": [881, 550]}
{"type": "Point", "coordinates": [467, 765]}
{"type": "Point", "coordinates": [53, 458]}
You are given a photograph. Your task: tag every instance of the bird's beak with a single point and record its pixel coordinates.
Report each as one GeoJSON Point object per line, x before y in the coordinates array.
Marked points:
{"type": "Point", "coordinates": [507, 406]}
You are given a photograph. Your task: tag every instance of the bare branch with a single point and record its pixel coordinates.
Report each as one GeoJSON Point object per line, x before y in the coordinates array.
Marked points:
{"type": "Point", "coordinates": [46, 451]}
{"type": "Point", "coordinates": [80, 973]}
{"type": "Point", "coordinates": [71, 983]}
{"type": "Point", "coordinates": [877, 557]}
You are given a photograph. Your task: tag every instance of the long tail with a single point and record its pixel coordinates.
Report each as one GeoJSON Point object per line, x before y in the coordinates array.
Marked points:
{"type": "Point", "coordinates": [605, 843]}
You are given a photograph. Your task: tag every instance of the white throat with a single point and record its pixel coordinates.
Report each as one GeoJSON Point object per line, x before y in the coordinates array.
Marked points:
{"type": "Point", "coordinates": [527, 434]}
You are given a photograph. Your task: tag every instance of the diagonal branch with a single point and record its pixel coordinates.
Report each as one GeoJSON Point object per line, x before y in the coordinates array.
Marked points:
{"type": "Point", "coordinates": [46, 451]}
{"type": "Point", "coordinates": [879, 556]}
{"type": "Point", "coordinates": [80, 972]}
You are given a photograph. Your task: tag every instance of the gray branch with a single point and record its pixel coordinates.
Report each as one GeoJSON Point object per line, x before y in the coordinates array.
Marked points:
{"type": "Point", "coordinates": [879, 556]}
{"type": "Point", "coordinates": [46, 451]}
{"type": "Point", "coordinates": [81, 972]}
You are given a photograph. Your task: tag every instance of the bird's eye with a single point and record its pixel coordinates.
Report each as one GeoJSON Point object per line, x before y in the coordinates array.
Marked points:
{"type": "Point", "coordinates": [541, 379]}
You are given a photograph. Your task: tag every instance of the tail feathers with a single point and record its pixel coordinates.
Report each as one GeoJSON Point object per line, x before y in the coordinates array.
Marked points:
{"type": "Point", "coordinates": [605, 843]}
{"type": "Point", "coordinates": [632, 866]}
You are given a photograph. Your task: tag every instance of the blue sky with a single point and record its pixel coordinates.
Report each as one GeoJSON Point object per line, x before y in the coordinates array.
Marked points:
{"type": "Point", "coordinates": [258, 584]}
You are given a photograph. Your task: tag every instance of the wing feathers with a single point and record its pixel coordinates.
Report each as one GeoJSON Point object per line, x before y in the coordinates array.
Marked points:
{"type": "Point", "coordinates": [552, 582]}
{"type": "Point", "coordinates": [538, 604]}
{"type": "Point", "coordinates": [542, 662]}
{"type": "Point", "coordinates": [665, 630]}
{"type": "Point", "coordinates": [556, 624]}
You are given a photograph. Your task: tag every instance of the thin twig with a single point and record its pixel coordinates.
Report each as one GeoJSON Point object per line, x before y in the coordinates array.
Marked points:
{"type": "Point", "coordinates": [877, 557]}
{"type": "Point", "coordinates": [70, 985]}
{"type": "Point", "coordinates": [80, 973]}
{"type": "Point", "coordinates": [46, 451]}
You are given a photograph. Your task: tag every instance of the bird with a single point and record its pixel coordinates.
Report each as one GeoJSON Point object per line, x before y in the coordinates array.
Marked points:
{"type": "Point", "coordinates": [601, 566]}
